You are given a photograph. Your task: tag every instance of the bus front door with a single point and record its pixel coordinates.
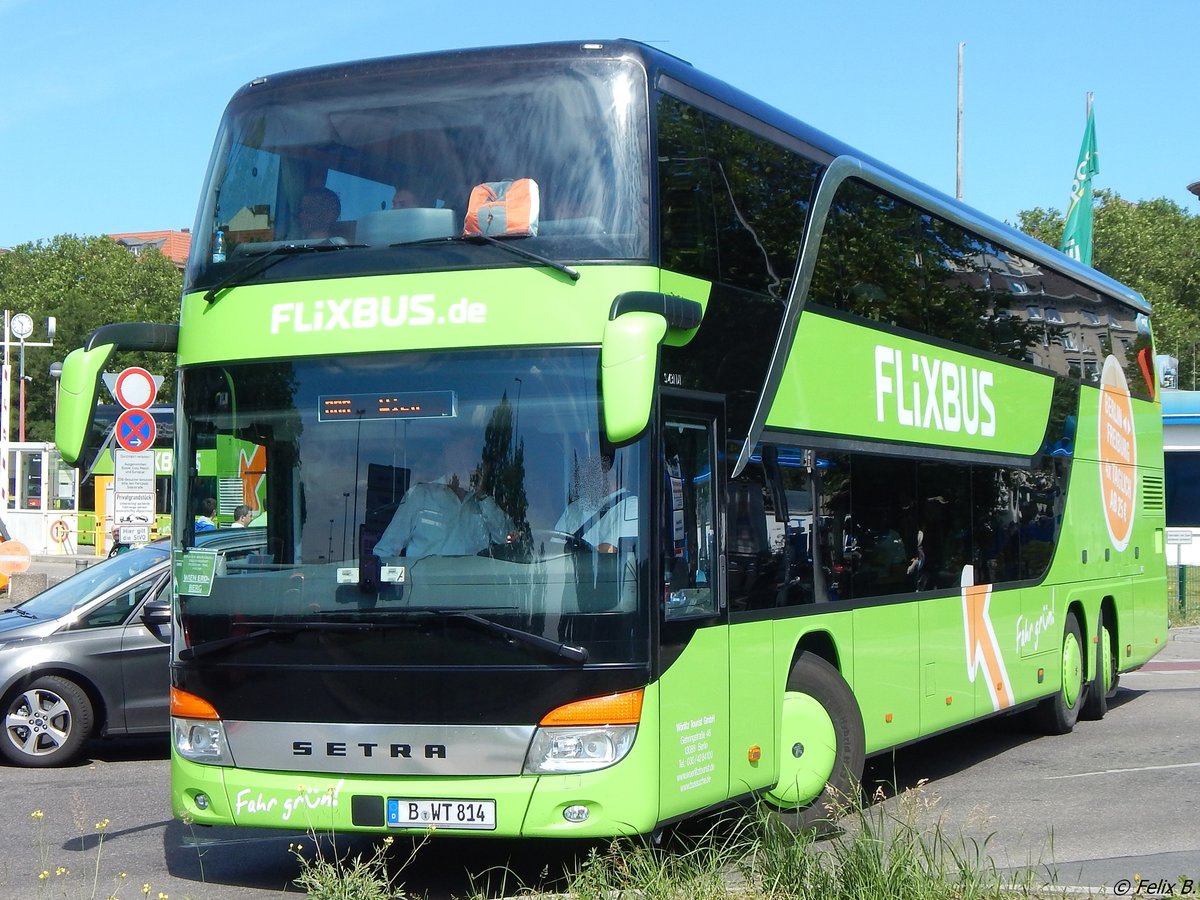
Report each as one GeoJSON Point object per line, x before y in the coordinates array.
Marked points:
{"type": "Point", "coordinates": [694, 638]}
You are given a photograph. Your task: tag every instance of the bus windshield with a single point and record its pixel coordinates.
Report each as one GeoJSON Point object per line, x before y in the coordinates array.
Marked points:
{"type": "Point", "coordinates": [384, 160]}
{"type": "Point", "coordinates": [419, 495]}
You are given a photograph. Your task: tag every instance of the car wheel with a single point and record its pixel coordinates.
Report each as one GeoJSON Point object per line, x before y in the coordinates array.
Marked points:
{"type": "Point", "coordinates": [46, 723]}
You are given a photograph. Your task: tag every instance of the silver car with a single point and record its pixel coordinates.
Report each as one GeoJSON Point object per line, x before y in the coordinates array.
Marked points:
{"type": "Point", "coordinates": [89, 656]}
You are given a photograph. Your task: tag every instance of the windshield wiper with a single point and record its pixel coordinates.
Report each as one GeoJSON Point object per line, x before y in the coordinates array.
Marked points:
{"type": "Point", "coordinates": [263, 630]}
{"type": "Point", "coordinates": [21, 612]}
{"type": "Point", "coordinates": [265, 261]}
{"type": "Point", "coordinates": [573, 274]}
{"type": "Point", "coordinates": [513, 635]}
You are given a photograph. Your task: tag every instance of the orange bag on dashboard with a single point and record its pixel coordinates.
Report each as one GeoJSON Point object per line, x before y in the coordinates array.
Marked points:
{"type": "Point", "coordinates": [503, 209]}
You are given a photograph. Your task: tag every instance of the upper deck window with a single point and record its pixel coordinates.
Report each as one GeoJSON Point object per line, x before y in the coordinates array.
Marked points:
{"type": "Point", "coordinates": [374, 158]}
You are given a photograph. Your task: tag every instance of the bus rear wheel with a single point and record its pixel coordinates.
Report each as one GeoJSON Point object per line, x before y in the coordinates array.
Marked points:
{"type": "Point", "coordinates": [1104, 684]}
{"type": "Point", "coordinates": [1058, 714]}
{"type": "Point", "coordinates": [822, 747]}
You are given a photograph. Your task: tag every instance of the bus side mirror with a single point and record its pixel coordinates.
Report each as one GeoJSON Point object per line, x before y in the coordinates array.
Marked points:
{"type": "Point", "coordinates": [638, 321]}
{"type": "Point", "coordinates": [79, 381]}
{"type": "Point", "coordinates": [629, 372]}
{"type": "Point", "coordinates": [77, 387]}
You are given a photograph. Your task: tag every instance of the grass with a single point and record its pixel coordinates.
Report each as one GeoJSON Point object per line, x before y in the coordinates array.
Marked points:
{"type": "Point", "coordinates": [895, 850]}
{"type": "Point", "coordinates": [889, 851]}
{"type": "Point", "coordinates": [1180, 618]}
{"type": "Point", "coordinates": [60, 881]}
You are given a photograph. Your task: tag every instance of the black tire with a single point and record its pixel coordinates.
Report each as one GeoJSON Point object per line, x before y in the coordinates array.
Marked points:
{"type": "Point", "coordinates": [1058, 714]}
{"type": "Point", "coordinates": [46, 723]}
{"type": "Point", "coordinates": [835, 783]}
{"type": "Point", "coordinates": [1103, 683]}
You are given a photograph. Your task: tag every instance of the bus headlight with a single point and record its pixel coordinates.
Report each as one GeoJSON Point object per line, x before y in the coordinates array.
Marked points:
{"type": "Point", "coordinates": [201, 741]}
{"type": "Point", "coordinates": [578, 748]}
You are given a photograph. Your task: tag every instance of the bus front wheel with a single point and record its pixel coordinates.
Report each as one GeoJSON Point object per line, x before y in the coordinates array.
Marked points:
{"type": "Point", "coordinates": [822, 747]}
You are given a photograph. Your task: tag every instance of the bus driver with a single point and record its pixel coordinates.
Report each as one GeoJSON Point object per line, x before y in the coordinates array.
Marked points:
{"type": "Point", "coordinates": [444, 518]}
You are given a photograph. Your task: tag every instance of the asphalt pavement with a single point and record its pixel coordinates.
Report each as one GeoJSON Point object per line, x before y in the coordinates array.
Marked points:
{"type": "Point", "coordinates": [1107, 810]}
{"type": "Point", "coordinates": [1101, 810]}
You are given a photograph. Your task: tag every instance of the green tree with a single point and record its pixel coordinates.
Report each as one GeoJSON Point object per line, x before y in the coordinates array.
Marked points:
{"type": "Point", "coordinates": [84, 282]}
{"type": "Point", "coordinates": [1154, 247]}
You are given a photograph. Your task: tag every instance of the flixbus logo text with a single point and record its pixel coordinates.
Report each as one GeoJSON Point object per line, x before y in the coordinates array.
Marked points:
{"type": "Point", "coordinates": [920, 391]}
{"type": "Point", "coordinates": [407, 310]}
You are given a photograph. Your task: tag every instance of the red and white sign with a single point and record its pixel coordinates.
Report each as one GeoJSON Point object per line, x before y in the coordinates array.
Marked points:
{"type": "Point", "coordinates": [135, 430]}
{"type": "Point", "coordinates": [59, 531]}
{"type": "Point", "coordinates": [135, 388]}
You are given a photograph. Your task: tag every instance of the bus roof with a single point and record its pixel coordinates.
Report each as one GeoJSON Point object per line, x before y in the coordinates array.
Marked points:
{"type": "Point", "coordinates": [675, 75]}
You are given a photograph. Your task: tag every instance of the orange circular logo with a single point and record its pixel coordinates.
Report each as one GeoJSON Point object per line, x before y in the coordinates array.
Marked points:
{"type": "Point", "coordinates": [1118, 453]}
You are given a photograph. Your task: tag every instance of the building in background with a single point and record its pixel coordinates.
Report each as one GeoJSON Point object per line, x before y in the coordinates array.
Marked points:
{"type": "Point", "coordinates": [1181, 455]}
{"type": "Point", "coordinates": [172, 244]}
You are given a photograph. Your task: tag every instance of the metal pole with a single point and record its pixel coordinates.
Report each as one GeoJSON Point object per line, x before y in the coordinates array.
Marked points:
{"type": "Point", "coordinates": [958, 191]}
{"type": "Point", "coordinates": [345, 519]}
{"type": "Point", "coordinates": [21, 417]}
{"type": "Point", "coordinates": [1180, 578]}
{"type": "Point", "coordinates": [5, 399]}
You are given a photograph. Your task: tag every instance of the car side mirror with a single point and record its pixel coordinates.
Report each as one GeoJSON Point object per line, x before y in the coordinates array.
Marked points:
{"type": "Point", "coordinates": [157, 613]}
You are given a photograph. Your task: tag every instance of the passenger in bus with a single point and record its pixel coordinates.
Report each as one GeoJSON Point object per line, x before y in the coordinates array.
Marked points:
{"type": "Point", "coordinates": [317, 213]}
{"type": "Point", "coordinates": [598, 515]}
{"type": "Point", "coordinates": [206, 520]}
{"type": "Point", "coordinates": [451, 516]}
{"type": "Point", "coordinates": [243, 515]}
{"type": "Point", "coordinates": [404, 199]}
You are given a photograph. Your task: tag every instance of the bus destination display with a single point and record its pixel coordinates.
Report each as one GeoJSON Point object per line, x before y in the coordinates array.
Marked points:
{"type": "Point", "coordinates": [409, 405]}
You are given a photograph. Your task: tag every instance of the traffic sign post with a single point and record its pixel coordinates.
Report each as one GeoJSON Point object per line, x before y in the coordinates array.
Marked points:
{"type": "Point", "coordinates": [135, 430]}
{"type": "Point", "coordinates": [135, 388]}
{"type": "Point", "coordinates": [59, 531]}
{"type": "Point", "coordinates": [134, 506]}
{"type": "Point", "coordinates": [133, 534]}
{"type": "Point", "coordinates": [133, 472]}
{"type": "Point", "coordinates": [133, 509]}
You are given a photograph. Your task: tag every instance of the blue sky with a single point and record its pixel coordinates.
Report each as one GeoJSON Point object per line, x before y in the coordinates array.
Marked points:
{"type": "Point", "coordinates": [108, 111]}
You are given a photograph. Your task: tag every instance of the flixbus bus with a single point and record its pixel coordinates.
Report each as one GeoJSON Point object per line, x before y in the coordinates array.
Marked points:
{"type": "Point", "coordinates": [783, 459]}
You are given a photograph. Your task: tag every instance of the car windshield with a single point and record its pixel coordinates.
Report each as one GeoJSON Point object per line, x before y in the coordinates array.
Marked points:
{"type": "Point", "coordinates": [390, 160]}
{"type": "Point", "coordinates": [401, 490]}
{"type": "Point", "coordinates": [83, 587]}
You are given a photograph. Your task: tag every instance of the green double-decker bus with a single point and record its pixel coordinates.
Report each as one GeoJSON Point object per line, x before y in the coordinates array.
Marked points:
{"type": "Point", "coordinates": [627, 448]}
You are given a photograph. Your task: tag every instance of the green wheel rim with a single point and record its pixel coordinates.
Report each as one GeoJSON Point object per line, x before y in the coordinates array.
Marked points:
{"type": "Point", "coordinates": [1072, 670]}
{"type": "Point", "coordinates": [808, 751]}
{"type": "Point", "coordinates": [1106, 659]}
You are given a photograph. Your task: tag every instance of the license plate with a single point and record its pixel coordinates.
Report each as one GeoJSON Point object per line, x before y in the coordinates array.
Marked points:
{"type": "Point", "coordinates": [479, 815]}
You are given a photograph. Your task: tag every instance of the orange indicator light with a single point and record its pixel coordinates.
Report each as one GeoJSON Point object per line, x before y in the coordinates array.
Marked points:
{"type": "Point", "coordinates": [189, 706]}
{"type": "Point", "coordinates": [615, 709]}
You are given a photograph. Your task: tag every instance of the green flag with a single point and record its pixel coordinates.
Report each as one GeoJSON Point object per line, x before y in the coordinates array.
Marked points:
{"type": "Point", "coordinates": [1077, 232]}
